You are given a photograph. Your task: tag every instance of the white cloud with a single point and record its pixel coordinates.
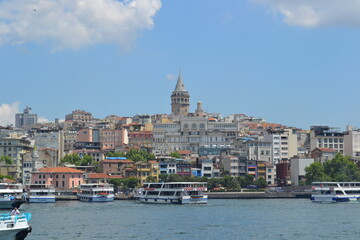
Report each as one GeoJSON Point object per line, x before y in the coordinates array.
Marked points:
{"type": "Point", "coordinates": [316, 13]}
{"type": "Point", "coordinates": [75, 23]}
{"type": "Point", "coordinates": [7, 113]}
{"type": "Point", "coordinates": [42, 120]}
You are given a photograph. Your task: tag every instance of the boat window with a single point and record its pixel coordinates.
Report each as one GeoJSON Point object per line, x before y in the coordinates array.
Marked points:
{"type": "Point", "coordinates": [152, 193]}
{"type": "Point", "coordinates": [338, 192]}
{"type": "Point", "coordinates": [177, 193]}
{"type": "Point", "coordinates": [166, 193]}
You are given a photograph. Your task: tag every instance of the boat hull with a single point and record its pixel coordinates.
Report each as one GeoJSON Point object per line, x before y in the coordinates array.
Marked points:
{"type": "Point", "coordinates": [174, 200]}
{"type": "Point", "coordinates": [41, 200]}
{"type": "Point", "coordinates": [15, 234]}
{"type": "Point", "coordinates": [335, 198]}
{"type": "Point", "coordinates": [11, 204]}
{"type": "Point", "coordinates": [96, 198]}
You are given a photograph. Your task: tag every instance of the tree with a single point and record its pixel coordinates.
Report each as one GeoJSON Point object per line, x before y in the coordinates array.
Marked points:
{"type": "Point", "coordinates": [72, 158]}
{"type": "Point", "coordinates": [231, 183]}
{"type": "Point", "coordinates": [261, 182]}
{"type": "Point", "coordinates": [315, 173]}
{"type": "Point", "coordinates": [139, 155]}
{"type": "Point", "coordinates": [342, 169]}
{"type": "Point", "coordinates": [6, 159]}
{"type": "Point", "coordinates": [151, 179]}
{"type": "Point", "coordinates": [163, 177]}
{"type": "Point", "coordinates": [248, 180]}
{"type": "Point", "coordinates": [116, 154]}
{"type": "Point", "coordinates": [175, 154]}
{"type": "Point", "coordinates": [125, 184]}
{"type": "Point", "coordinates": [75, 159]}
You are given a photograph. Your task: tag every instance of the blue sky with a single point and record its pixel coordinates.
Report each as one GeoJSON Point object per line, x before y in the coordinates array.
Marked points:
{"type": "Point", "coordinates": [290, 62]}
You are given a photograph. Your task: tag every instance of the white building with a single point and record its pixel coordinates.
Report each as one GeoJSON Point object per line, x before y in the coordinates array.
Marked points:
{"type": "Point", "coordinates": [284, 144]}
{"type": "Point", "coordinates": [297, 169]}
{"type": "Point", "coordinates": [326, 137]}
{"type": "Point", "coordinates": [352, 143]}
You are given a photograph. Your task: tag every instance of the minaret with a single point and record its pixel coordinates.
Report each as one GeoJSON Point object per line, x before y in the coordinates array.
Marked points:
{"type": "Point", "coordinates": [180, 99]}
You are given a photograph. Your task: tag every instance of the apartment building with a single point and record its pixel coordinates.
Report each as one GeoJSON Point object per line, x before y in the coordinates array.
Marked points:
{"type": "Point", "coordinates": [326, 137]}
{"type": "Point", "coordinates": [352, 143]}
{"type": "Point", "coordinates": [284, 144]}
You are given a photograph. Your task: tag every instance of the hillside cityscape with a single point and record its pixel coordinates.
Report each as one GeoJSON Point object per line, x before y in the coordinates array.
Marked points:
{"type": "Point", "coordinates": [187, 144]}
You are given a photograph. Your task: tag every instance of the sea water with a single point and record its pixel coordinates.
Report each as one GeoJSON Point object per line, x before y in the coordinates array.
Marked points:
{"type": "Point", "coordinates": [219, 219]}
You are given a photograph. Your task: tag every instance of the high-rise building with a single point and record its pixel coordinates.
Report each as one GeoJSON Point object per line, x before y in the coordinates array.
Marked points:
{"type": "Point", "coordinates": [25, 119]}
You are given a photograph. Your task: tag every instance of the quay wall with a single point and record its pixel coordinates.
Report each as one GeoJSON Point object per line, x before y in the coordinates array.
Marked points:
{"type": "Point", "coordinates": [224, 195]}
{"type": "Point", "coordinates": [257, 195]}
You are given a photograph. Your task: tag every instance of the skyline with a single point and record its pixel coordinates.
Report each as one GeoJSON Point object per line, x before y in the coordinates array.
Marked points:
{"type": "Point", "coordinates": [287, 62]}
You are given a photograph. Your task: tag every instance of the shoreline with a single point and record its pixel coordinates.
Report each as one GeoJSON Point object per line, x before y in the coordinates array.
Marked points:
{"type": "Point", "coordinates": [224, 195]}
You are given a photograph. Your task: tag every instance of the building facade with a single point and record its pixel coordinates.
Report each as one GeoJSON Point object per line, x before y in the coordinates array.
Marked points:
{"type": "Point", "coordinates": [25, 119]}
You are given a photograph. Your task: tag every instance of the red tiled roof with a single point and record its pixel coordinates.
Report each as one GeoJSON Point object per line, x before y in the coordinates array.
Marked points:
{"type": "Point", "coordinates": [60, 170]}
{"type": "Point", "coordinates": [153, 162]}
{"type": "Point", "coordinates": [184, 152]}
{"type": "Point", "coordinates": [9, 181]}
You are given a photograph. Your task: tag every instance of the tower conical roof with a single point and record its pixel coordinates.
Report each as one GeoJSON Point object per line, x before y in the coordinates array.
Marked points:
{"type": "Point", "coordinates": [180, 87]}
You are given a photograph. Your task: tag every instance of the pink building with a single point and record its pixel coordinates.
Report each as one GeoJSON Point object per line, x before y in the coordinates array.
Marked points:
{"type": "Point", "coordinates": [62, 178]}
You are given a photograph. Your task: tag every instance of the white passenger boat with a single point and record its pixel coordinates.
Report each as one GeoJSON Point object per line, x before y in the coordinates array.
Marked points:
{"type": "Point", "coordinates": [10, 196]}
{"type": "Point", "coordinates": [96, 192]}
{"type": "Point", "coordinates": [332, 192]}
{"type": "Point", "coordinates": [40, 193]}
{"type": "Point", "coordinates": [173, 192]}
{"type": "Point", "coordinates": [14, 227]}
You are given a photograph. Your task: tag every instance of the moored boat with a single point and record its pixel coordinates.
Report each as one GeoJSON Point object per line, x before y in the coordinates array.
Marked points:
{"type": "Point", "coordinates": [14, 227]}
{"type": "Point", "coordinates": [96, 192]}
{"type": "Point", "coordinates": [332, 192]}
{"type": "Point", "coordinates": [40, 193]}
{"type": "Point", "coordinates": [10, 196]}
{"type": "Point", "coordinates": [173, 192]}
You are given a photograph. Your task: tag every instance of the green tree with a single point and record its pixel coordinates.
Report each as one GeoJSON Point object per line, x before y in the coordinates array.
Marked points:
{"type": "Point", "coordinates": [163, 177]}
{"type": "Point", "coordinates": [72, 159]}
{"type": "Point", "coordinates": [342, 169]}
{"type": "Point", "coordinates": [315, 173]}
{"type": "Point", "coordinates": [75, 159]}
{"type": "Point", "coordinates": [116, 154]}
{"type": "Point", "coordinates": [247, 180]}
{"type": "Point", "coordinates": [151, 179]}
{"type": "Point", "coordinates": [260, 182]}
{"type": "Point", "coordinates": [124, 184]}
{"type": "Point", "coordinates": [139, 155]}
{"type": "Point", "coordinates": [175, 154]}
{"type": "Point", "coordinates": [231, 183]}
{"type": "Point", "coordinates": [6, 159]}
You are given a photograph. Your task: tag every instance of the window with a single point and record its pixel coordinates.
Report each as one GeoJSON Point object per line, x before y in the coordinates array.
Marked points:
{"type": "Point", "coordinates": [63, 176]}
{"type": "Point", "coordinates": [63, 184]}
{"type": "Point", "coordinates": [57, 176]}
{"type": "Point", "coordinates": [39, 176]}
